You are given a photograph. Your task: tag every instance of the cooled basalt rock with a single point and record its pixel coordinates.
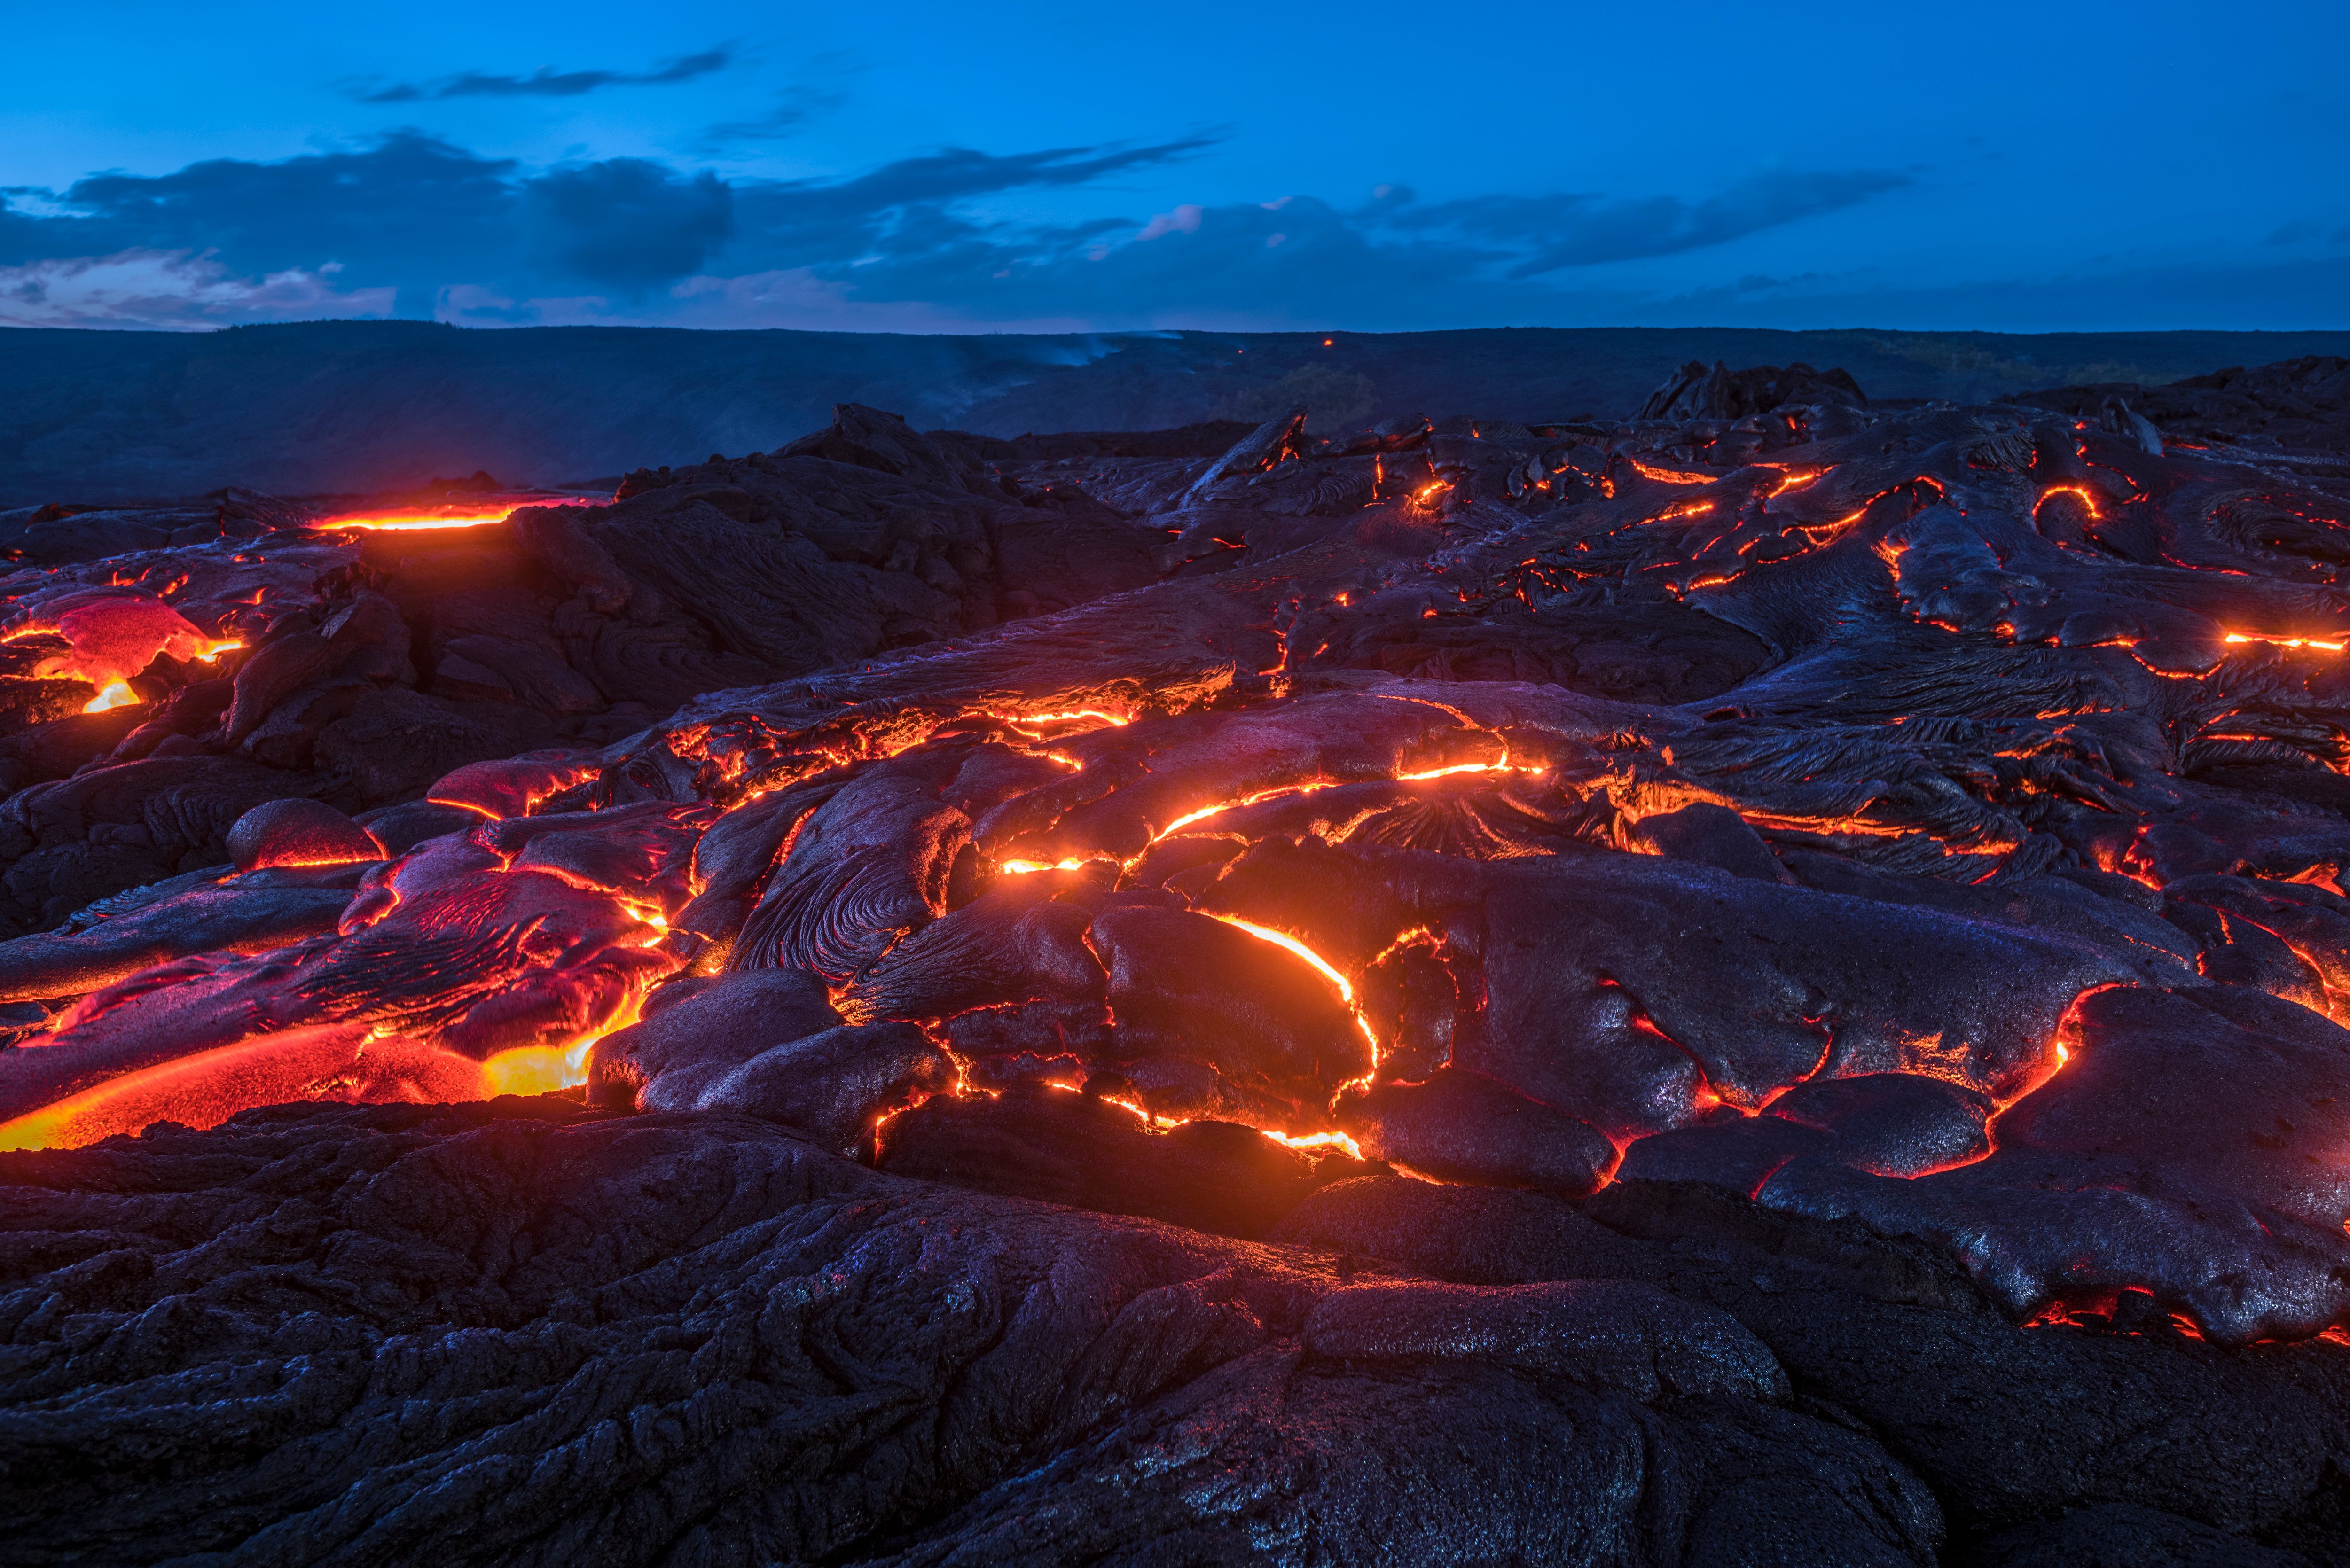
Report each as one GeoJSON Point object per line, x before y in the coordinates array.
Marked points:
{"type": "Point", "coordinates": [1873, 874]}
{"type": "Point", "coordinates": [515, 1332]}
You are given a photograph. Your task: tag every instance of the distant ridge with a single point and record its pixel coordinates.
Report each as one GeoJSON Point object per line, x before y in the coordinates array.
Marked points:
{"type": "Point", "coordinates": [323, 407]}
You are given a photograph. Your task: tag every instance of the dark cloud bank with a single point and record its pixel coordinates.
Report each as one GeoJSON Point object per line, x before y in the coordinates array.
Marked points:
{"type": "Point", "coordinates": [446, 230]}
{"type": "Point", "coordinates": [414, 225]}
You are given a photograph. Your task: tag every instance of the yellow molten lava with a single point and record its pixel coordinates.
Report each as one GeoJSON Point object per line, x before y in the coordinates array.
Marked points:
{"type": "Point", "coordinates": [113, 694]}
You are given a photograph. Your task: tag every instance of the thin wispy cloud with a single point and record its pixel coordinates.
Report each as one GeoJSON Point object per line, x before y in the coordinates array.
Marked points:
{"type": "Point", "coordinates": [547, 81]}
{"type": "Point", "coordinates": [791, 110]}
{"type": "Point", "coordinates": [1586, 230]}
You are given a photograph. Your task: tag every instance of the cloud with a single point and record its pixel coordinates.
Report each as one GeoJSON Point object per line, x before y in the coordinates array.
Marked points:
{"type": "Point", "coordinates": [544, 82]}
{"type": "Point", "coordinates": [792, 108]}
{"type": "Point", "coordinates": [628, 224]}
{"type": "Point", "coordinates": [417, 225]}
{"type": "Point", "coordinates": [418, 215]}
{"type": "Point", "coordinates": [1183, 220]}
{"type": "Point", "coordinates": [147, 289]}
{"type": "Point", "coordinates": [1553, 233]}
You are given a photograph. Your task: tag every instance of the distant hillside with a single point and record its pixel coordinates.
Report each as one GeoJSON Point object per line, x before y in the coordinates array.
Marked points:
{"type": "Point", "coordinates": [343, 406]}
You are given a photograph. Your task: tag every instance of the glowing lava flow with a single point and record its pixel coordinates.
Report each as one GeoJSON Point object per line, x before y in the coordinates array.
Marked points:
{"type": "Point", "coordinates": [1504, 766]}
{"type": "Point", "coordinates": [2319, 643]}
{"type": "Point", "coordinates": [113, 694]}
{"type": "Point", "coordinates": [118, 692]}
{"type": "Point", "coordinates": [1672, 475]}
{"type": "Point", "coordinates": [405, 522]}
{"type": "Point", "coordinates": [1038, 720]}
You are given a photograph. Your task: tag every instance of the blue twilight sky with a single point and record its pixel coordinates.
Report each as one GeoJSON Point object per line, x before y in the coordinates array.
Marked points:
{"type": "Point", "coordinates": [1050, 166]}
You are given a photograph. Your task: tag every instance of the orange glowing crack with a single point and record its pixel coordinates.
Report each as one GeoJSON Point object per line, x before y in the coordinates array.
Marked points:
{"type": "Point", "coordinates": [406, 522]}
{"type": "Point", "coordinates": [1314, 1140]}
{"type": "Point", "coordinates": [1329, 972]}
{"type": "Point", "coordinates": [1030, 720]}
{"type": "Point", "coordinates": [1671, 475]}
{"type": "Point", "coordinates": [2081, 493]}
{"type": "Point", "coordinates": [1207, 811]}
{"type": "Point", "coordinates": [1504, 766]}
{"type": "Point", "coordinates": [1156, 1123]}
{"type": "Point", "coordinates": [2318, 643]}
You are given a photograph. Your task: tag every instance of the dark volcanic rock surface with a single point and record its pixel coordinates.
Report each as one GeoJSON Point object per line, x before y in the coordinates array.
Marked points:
{"type": "Point", "coordinates": [1760, 984]}
{"type": "Point", "coordinates": [513, 1333]}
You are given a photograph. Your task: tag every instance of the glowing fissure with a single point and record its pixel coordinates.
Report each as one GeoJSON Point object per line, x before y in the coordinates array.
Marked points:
{"type": "Point", "coordinates": [2320, 645]}
{"type": "Point", "coordinates": [416, 522]}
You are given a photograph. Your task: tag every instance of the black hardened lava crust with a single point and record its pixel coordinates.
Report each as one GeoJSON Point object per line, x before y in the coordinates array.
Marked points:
{"type": "Point", "coordinates": [1753, 985]}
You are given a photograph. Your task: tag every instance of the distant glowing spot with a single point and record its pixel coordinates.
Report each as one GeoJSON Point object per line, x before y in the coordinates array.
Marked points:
{"type": "Point", "coordinates": [113, 694]}
{"type": "Point", "coordinates": [1022, 867]}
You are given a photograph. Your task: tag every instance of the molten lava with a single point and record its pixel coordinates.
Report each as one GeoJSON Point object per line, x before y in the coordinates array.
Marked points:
{"type": "Point", "coordinates": [416, 522]}
{"type": "Point", "coordinates": [113, 694]}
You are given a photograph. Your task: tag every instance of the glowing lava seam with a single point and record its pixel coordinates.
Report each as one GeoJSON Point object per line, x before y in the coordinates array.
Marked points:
{"type": "Point", "coordinates": [406, 522]}
{"type": "Point", "coordinates": [2318, 643]}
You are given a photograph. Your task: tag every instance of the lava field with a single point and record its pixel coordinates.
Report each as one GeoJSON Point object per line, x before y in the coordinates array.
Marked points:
{"type": "Point", "coordinates": [1760, 983]}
